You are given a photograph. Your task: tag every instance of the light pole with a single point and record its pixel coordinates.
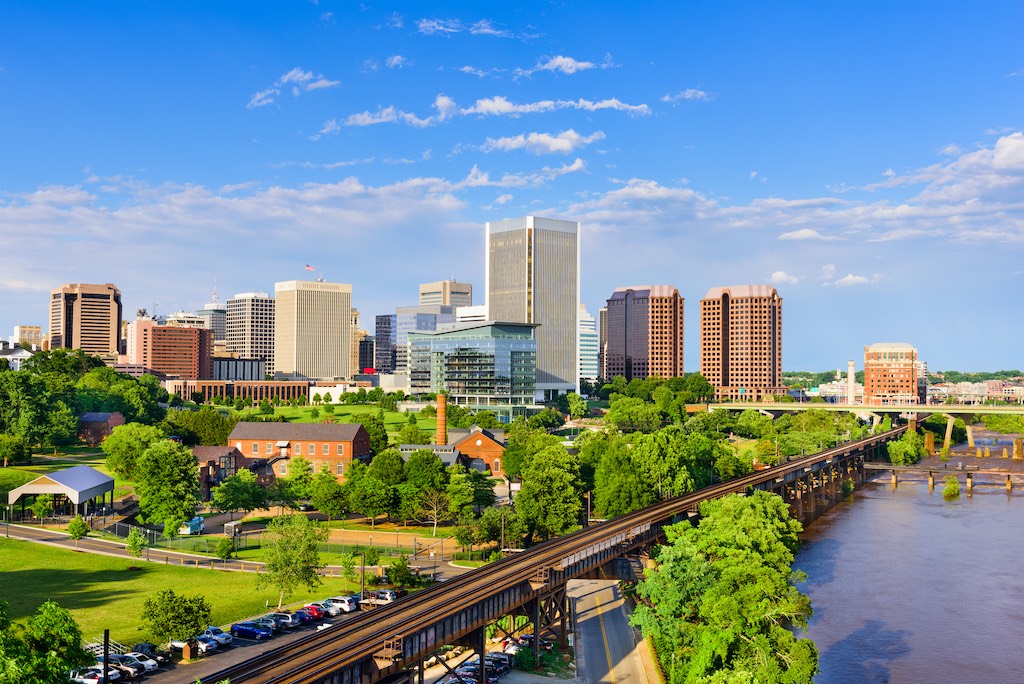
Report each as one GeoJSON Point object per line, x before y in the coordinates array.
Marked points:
{"type": "Point", "coordinates": [362, 574]}
{"type": "Point", "coordinates": [433, 569]}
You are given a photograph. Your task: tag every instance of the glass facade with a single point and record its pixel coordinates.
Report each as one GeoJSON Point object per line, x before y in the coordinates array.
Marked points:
{"type": "Point", "coordinates": [484, 366]}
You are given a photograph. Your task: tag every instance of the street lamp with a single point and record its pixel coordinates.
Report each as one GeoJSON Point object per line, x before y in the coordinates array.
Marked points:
{"type": "Point", "coordinates": [433, 570]}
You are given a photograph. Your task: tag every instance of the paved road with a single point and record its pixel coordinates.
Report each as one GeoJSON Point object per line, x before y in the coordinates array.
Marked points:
{"type": "Point", "coordinates": [606, 652]}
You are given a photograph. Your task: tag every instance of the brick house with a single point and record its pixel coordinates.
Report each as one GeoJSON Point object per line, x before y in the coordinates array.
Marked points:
{"type": "Point", "coordinates": [217, 463]}
{"type": "Point", "coordinates": [475, 448]}
{"type": "Point", "coordinates": [95, 427]}
{"type": "Point", "coordinates": [335, 445]}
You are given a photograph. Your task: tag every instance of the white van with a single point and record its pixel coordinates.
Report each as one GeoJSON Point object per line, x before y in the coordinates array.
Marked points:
{"type": "Point", "coordinates": [193, 526]}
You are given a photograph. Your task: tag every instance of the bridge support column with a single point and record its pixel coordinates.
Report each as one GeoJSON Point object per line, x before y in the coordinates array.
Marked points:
{"type": "Point", "coordinates": [988, 452]}
{"type": "Point", "coordinates": [931, 481]}
{"type": "Point", "coordinates": [912, 425]}
{"type": "Point", "coordinates": [533, 608]}
{"type": "Point", "coordinates": [970, 482]}
{"type": "Point", "coordinates": [929, 442]}
{"type": "Point", "coordinates": [811, 495]}
{"type": "Point", "coordinates": [970, 436]}
{"type": "Point", "coordinates": [894, 479]}
{"type": "Point", "coordinates": [978, 453]}
{"type": "Point", "coordinates": [1018, 452]}
{"type": "Point", "coordinates": [947, 442]}
{"type": "Point", "coordinates": [798, 501]}
{"type": "Point", "coordinates": [480, 646]}
{"type": "Point", "coordinates": [1009, 483]}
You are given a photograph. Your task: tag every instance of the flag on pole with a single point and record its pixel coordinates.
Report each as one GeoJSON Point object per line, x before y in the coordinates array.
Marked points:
{"type": "Point", "coordinates": [309, 268]}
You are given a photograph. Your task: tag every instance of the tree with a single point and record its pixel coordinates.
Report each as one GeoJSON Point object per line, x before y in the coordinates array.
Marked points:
{"type": "Point", "coordinates": [167, 483]}
{"type": "Point", "coordinates": [329, 497]}
{"type": "Point", "coordinates": [523, 440]}
{"type": "Point", "coordinates": [435, 506]}
{"type": "Point", "coordinates": [388, 467]}
{"type": "Point", "coordinates": [468, 490]}
{"type": "Point", "coordinates": [136, 542]}
{"type": "Point", "coordinates": [548, 419]}
{"type": "Point", "coordinates": [406, 505]}
{"type": "Point", "coordinates": [291, 558]}
{"type": "Point", "coordinates": [412, 434]}
{"type": "Point", "coordinates": [371, 497]}
{"type": "Point", "coordinates": [721, 600]}
{"type": "Point", "coordinates": [225, 548]}
{"type": "Point", "coordinates": [46, 649]}
{"type": "Point", "coordinates": [42, 506]}
{"type": "Point", "coordinates": [328, 398]}
{"type": "Point", "coordinates": [375, 428]}
{"type": "Point", "coordinates": [77, 529]}
{"type": "Point", "coordinates": [549, 501]}
{"type": "Point", "coordinates": [425, 470]}
{"type": "Point", "coordinates": [240, 492]}
{"type": "Point", "coordinates": [634, 415]}
{"type": "Point", "coordinates": [126, 444]}
{"type": "Point", "coordinates": [577, 405]}
{"type": "Point", "coordinates": [400, 574]}
{"type": "Point", "coordinates": [174, 617]}
{"type": "Point", "coordinates": [61, 425]}
{"type": "Point", "coordinates": [300, 478]}
{"type": "Point", "coordinates": [13, 449]}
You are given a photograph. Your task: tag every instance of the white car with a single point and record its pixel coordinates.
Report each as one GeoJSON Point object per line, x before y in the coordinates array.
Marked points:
{"type": "Point", "coordinates": [144, 659]}
{"type": "Point", "coordinates": [218, 635]}
{"type": "Point", "coordinates": [346, 604]}
{"type": "Point", "coordinates": [328, 607]}
{"type": "Point", "coordinates": [93, 675]}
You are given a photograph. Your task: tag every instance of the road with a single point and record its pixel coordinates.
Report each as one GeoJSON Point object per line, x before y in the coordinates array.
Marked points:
{"type": "Point", "coordinates": [606, 652]}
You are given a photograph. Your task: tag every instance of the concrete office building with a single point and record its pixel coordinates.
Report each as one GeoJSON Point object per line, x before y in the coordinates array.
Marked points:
{"type": "Point", "coordinates": [87, 317]}
{"type": "Point", "coordinates": [313, 330]}
{"type": "Point", "coordinates": [367, 348]}
{"type": "Point", "coordinates": [741, 341]}
{"type": "Point", "coordinates": [602, 339]}
{"type": "Point", "coordinates": [533, 276]}
{"type": "Point", "coordinates": [644, 332]}
{"type": "Point", "coordinates": [446, 292]}
{"type": "Point", "coordinates": [410, 319]}
{"type": "Point", "coordinates": [185, 319]}
{"type": "Point", "coordinates": [178, 351]}
{"type": "Point", "coordinates": [215, 317]}
{"type": "Point", "coordinates": [588, 346]}
{"type": "Point", "coordinates": [28, 336]}
{"type": "Point", "coordinates": [471, 314]}
{"type": "Point", "coordinates": [892, 375]}
{"type": "Point", "coordinates": [249, 327]}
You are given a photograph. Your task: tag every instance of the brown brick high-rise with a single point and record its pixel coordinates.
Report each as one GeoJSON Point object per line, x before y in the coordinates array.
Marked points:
{"type": "Point", "coordinates": [86, 317]}
{"type": "Point", "coordinates": [741, 341]}
{"type": "Point", "coordinates": [644, 335]}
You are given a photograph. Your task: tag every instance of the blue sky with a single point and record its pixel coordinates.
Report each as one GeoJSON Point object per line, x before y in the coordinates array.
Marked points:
{"type": "Point", "coordinates": [867, 158]}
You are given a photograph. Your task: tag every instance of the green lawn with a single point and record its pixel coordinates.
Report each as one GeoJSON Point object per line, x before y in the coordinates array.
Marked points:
{"type": "Point", "coordinates": [393, 421]}
{"type": "Point", "coordinates": [103, 593]}
{"type": "Point", "coordinates": [72, 456]}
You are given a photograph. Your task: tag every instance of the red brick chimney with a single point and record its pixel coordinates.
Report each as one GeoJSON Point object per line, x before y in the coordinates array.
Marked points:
{"type": "Point", "coordinates": [442, 420]}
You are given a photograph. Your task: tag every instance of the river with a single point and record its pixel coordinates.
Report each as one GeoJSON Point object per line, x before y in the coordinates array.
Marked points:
{"type": "Point", "coordinates": [909, 588]}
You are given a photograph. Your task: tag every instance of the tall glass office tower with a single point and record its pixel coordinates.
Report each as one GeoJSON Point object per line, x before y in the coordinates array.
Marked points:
{"type": "Point", "coordinates": [533, 276]}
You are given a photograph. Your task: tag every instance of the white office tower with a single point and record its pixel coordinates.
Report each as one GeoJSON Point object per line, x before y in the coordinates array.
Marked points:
{"type": "Point", "coordinates": [249, 327]}
{"type": "Point", "coordinates": [313, 330]}
{"type": "Point", "coordinates": [588, 342]}
{"type": "Point", "coordinates": [533, 276]}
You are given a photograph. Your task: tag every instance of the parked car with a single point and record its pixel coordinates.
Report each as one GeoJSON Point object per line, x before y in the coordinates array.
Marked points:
{"type": "Point", "coordinates": [206, 644]}
{"type": "Point", "coordinates": [268, 622]}
{"type": "Point", "coordinates": [93, 675]}
{"type": "Point", "coordinates": [149, 663]}
{"type": "Point", "coordinates": [128, 667]}
{"type": "Point", "coordinates": [328, 608]}
{"type": "Point", "coordinates": [314, 609]}
{"type": "Point", "coordinates": [161, 656]}
{"type": "Point", "coordinates": [503, 662]}
{"type": "Point", "coordinates": [217, 634]}
{"type": "Point", "coordinates": [347, 604]}
{"type": "Point", "coordinates": [251, 630]}
{"type": "Point", "coordinates": [286, 619]}
{"type": "Point", "coordinates": [304, 616]}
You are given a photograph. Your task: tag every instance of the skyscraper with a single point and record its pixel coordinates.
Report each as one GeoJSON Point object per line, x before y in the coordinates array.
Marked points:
{"type": "Point", "coordinates": [180, 351]}
{"type": "Point", "coordinates": [86, 317]}
{"type": "Point", "coordinates": [215, 318]}
{"type": "Point", "coordinates": [741, 341]}
{"type": "Point", "coordinates": [533, 276]}
{"type": "Point", "coordinates": [313, 329]}
{"type": "Point", "coordinates": [644, 332]}
{"type": "Point", "coordinates": [892, 374]}
{"type": "Point", "coordinates": [588, 346]}
{"type": "Point", "coordinates": [249, 327]}
{"type": "Point", "coordinates": [447, 292]}
{"type": "Point", "coordinates": [385, 331]}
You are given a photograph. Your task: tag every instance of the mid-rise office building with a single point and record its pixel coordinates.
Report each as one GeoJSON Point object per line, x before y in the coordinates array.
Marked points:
{"type": "Point", "coordinates": [588, 346]}
{"type": "Point", "coordinates": [446, 292]}
{"type": "Point", "coordinates": [87, 317]}
{"type": "Point", "coordinates": [644, 332]}
{"type": "Point", "coordinates": [367, 349]}
{"type": "Point", "coordinates": [482, 366]}
{"type": "Point", "coordinates": [249, 327]}
{"type": "Point", "coordinates": [313, 330]}
{"type": "Point", "coordinates": [185, 319]}
{"type": "Point", "coordinates": [741, 341]}
{"type": "Point", "coordinates": [533, 276]}
{"type": "Point", "coordinates": [471, 314]}
{"type": "Point", "coordinates": [602, 339]}
{"type": "Point", "coordinates": [215, 317]}
{"type": "Point", "coordinates": [423, 318]}
{"type": "Point", "coordinates": [385, 330]}
{"type": "Point", "coordinates": [176, 351]}
{"type": "Point", "coordinates": [28, 336]}
{"type": "Point", "coordinates": [892, 375]}
{"type": "Point", "coordinates": [357, 345]}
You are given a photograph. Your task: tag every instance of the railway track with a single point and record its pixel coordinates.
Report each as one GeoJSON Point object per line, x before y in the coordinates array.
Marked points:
{"type": "Point", "coordinates": [357, 640]}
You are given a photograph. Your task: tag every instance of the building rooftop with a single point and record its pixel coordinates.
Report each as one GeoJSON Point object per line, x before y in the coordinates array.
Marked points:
{"type": "Point", "coordinates": [889, 346]}
{"type": "Point", "coordinates": [652, 291]}
{"type": "Point", "coordinates": [735, 291]}
{"type": "Point", "coordinates": [324, 432]}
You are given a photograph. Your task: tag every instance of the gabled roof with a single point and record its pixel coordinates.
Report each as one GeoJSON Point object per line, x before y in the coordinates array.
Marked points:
{"type": "Point", "coordinates": [96, 417]}
{"type": "Point", "coordinates": [458, 435]}
{"type": "Point", "coordinates": [277, 432]}
{"type": "Point", "coordinates": [207, 453]}
{"type": "Point", "coordinates": [79, 483]}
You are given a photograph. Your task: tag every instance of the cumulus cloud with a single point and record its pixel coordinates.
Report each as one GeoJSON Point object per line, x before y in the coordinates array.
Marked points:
{"type": "Point", "coordinates": [397, 62]}
{"type": "Point", "coordinates": [559, 63]}
{"type": "Point", "coordinates": [689, 94]}
{"type": "Point", "coordinates": [804, 234]}
{"type": "Point", "coordinates": [783, 278]}
{"type": "Point", "coordinates": [850, 279]}
{"type": "Point", "coordinates": [503, 199]}
{"type": "Point", "coordinates": [297, 80]}
{"type": "Point", "coordinates": [542, 143]}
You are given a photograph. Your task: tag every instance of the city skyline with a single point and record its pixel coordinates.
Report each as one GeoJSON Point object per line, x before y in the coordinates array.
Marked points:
{"type": "Point", "coordinates": [867, 161]}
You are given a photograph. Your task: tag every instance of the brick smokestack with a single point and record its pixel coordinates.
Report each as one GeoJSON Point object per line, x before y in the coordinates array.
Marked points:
{"type": "Point", "coordinates": [442, 420]}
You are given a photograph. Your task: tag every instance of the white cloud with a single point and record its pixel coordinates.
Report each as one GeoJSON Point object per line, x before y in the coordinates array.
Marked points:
{"type": "Point", "coordinates": [370, 65]}
{"type": "Point", "coordinates": [888, 173]}
{"type": "Point", "coordinates": [951, 150]}
{"type": "Point", "coordinates": [397, 62]}
{"type": "Point", "coordinates": [502, 106]}
{"type": "Point", "coordinates": [300, 80]}
{"type": "Point", "coordinates": [483, 27]}
{"type": "Point", "coordinates": [850, 279]}
{"type": "Point", "coordinates": [690, 94]}
{"type": "Point", "coordinates": [431, 27]}
{"type": "Point", "coordinates": [804, 234]}
{"type": "Point", "coordinates": [503, 199]}
{"type": "Point", "coordinates": [367, 118]}
{"type": "Point", "coordinates": [542, 143]}
{"type": "Point", "coordinates": [396, 21]}
{"type": "Point", "coordinates": [473, 71]}
{"type": "Point", "coordinates": [560, 63]}
{"type": "Point", "coordinates": [783, 278]}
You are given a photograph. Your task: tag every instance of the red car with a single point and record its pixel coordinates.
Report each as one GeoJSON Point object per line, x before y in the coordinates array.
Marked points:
{"type": "Point", "coordinates": [314, 610]}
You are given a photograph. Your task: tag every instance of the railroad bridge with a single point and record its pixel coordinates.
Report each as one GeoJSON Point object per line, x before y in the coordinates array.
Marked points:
{"type": "Point", "coordinates": [382, 644]}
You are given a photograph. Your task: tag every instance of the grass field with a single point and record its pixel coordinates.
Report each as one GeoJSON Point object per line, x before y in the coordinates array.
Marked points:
{"type": "Point", "coordinates": [103, 593]}
{"type": "Point", "coordinates": [44, 462]}
{"type": "Point", "coordinates": [393, 421]}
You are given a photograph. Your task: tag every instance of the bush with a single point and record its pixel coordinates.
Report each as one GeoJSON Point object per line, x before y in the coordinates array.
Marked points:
{"type": "Point", "coordinates": [525, 660]}
{"type": "Point", "coordinates": [225, 548]}
{"type": "Point", "coordinates": [848, 486]}
{"type": "Point", "coordinates": [952, 488]}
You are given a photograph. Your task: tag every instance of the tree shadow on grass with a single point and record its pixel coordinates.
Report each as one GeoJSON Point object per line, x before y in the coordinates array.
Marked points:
{"type": "Point", "coordinates": [74, 589]}
{"type": "Point", "coordinates": [865, 656]}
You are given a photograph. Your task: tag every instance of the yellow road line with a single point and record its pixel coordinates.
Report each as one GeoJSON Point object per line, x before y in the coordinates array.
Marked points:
{"type": "Point", "coordinates": [604, 636]}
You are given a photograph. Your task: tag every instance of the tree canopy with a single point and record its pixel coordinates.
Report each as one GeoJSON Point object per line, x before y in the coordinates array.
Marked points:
{"type": "Point", "coordinates": [44, 650]}
{"type": "Point", "coordinates": [291, 558]}
{"type": "Point", "coordinates": [167, 483]}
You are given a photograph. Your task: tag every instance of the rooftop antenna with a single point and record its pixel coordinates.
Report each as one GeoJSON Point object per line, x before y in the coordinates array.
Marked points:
{"type": "Point", "coordinates": [215, 289]}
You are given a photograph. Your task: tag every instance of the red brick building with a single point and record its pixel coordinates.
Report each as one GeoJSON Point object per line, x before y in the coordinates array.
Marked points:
{"type": "Point", "coordinates": [93, 428]}
{"type": "Point", "coordinates": [217, 463]}
{"type": "Point", "coordinates": [891, 375]}
{"type": "Point", "coordinates": [334, 445]}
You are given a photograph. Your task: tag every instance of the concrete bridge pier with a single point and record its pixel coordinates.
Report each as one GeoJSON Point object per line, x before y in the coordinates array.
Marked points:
{"type": "Point", "coordinates": [894, 479]}
{"type": "Point", "coordinates": [929, 442]}
{"type": "Point", "coordinates": [978, 453]}
{"type": "Point", "coordinates": [1018, 452]}
{"type": "Point", "coordinates": [931, 481]}
{"type": "Point", "coordinates": [988, 452]}
{"type": "Point", "coordinates": [1009, 484]}
{"type": "Point", "coordinates": [970, 436]}
{"type": "Point", "coordinates": [947, 442]}
{"type": "Point", "coordinates": [970, 483]}
{"type": "Point", "coordinates": [1006, 454]}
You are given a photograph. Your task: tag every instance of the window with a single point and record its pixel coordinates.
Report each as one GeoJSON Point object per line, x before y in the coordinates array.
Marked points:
{"type": "Point", "coordinates": [298, 449]}
{"type": "Point", "coordinates": [341, 468]}
{"type": "Point", "coordinates": [283, 469]}
{"type": "Point", "coordinates": [270, 448]}
{"type": "Point", "coordinates": [497, 465]}
{"type": "Point", "coordinates": [341, 449]}
{"type": "Point", "coordinates": [255, 448]}
{"type": "Point", "coordinates": [327, 450]}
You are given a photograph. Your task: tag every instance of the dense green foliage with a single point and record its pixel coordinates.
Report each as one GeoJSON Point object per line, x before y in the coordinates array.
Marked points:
{"type": "Point", "coordinates": [167, 483]}
{"type": "Point", "coordinates": [44, 650]}
{"type": "Point", "coordinates": [240, 492]}
{"type": "Point", "coordinates": [126, 444]}
{"type": "Point", "coordinates": [958, 376]}
{"type": "Point", "coordinates": [907, 450]}
{"type": "Point", "coordinates": [1004, 424]}
{"type": "Point", "coordinates": [291, 554]}
{"type": "Point", "coordinates": [549, 502]}
{"type": "Point", "coordinates": [171, 616]}
{"type": "Point", "coordinates": [721, 604]}
{"type": "Point", "coordinates": [936, 424]}
{"type": "Point", "coordinates": [207, 426]}
{"type": "Point", "coordinates": [951, 490]}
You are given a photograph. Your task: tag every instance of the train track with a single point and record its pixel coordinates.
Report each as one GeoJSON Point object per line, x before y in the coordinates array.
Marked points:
{"type": "Point", "coordinates": [357, 640]}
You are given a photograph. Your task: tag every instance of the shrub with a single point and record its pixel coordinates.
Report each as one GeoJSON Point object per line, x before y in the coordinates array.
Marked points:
{"type": "Point", "coordinates": [848, 486]}
{"type": "Point", "coordinates": [525, 660]}
{"type": "Point", "coordinates": [225, 548]}
{"type": "Point", "coordinates": [952, 488]}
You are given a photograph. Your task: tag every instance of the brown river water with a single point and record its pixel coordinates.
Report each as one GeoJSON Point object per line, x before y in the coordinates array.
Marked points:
{"type": "Point", "coordinates": [910, 588]}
